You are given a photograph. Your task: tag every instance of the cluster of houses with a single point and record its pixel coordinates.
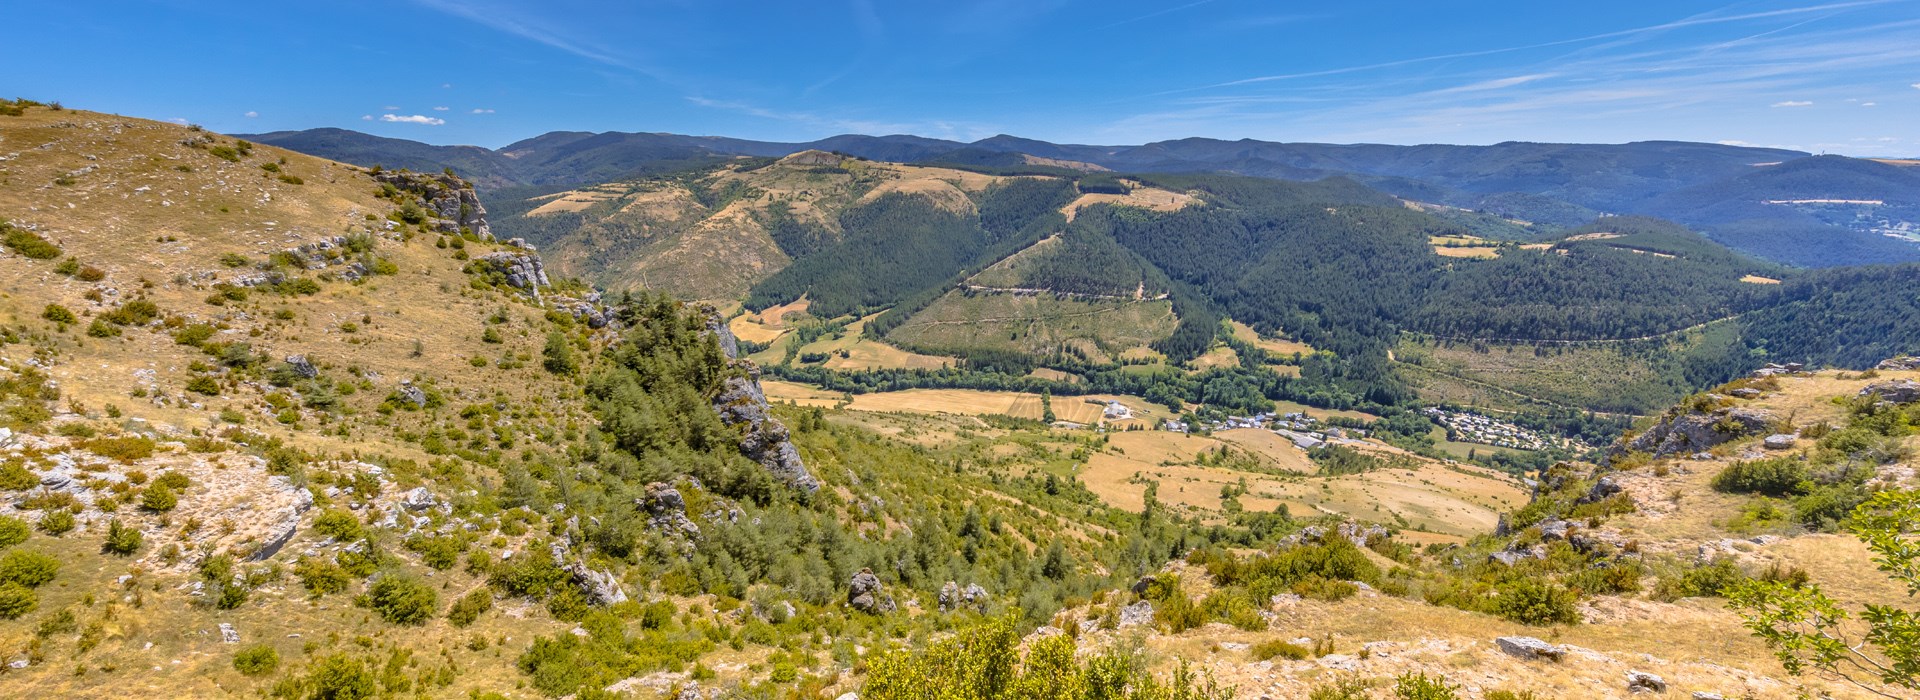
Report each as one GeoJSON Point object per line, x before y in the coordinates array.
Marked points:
{"type": "Point", "coordinates": [1306, 432]}
{"type": "Point", "coordinates": [1473, 427]}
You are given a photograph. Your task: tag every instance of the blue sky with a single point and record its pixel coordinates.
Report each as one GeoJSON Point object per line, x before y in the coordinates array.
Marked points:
{"type": "Point", "coordinates": [1837, 76]}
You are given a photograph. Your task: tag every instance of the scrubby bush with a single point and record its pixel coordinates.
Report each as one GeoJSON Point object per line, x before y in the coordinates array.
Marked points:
{"type": "Point", "coordinates": [28, 243]}
{"type": "Point", "coordinates": [158, 498]}
{"type": "Point", "coordinates": [402, 601]}
{"type": "Point", "coordinates": [341, 677]}
{"type": "Point", "coordinates": [16, 600]}
{"type": "Point", "coordinates": [339, 524]}
{"type": "Point", "coordinates": [15, 477]}
{"type": "Point", "coordinates": [1420, 686]}
{"type": "Point", "coordinates": [470, 607]}
{"type": "Point", "coordinates": [125, 449]}
{"type": "Point", "coordinates": [1532, 602]}
{"type": "Point", "coordinates": [58, 314]}
{"type": "Point", "coordinates": [30, 569]}
{"type": "Point", "coordinates": [122, 539]}
{"type": "Point", "coordinates": [1779, 476]}
{"type": "Point", "coordinates": [12, 531]}
{"type": "Point", "coordinates": [57, 522]}
{"type": "Point", "coordinates": [320, 576]}
{"type": "Point", "coordinates": [1281, 648]}
{"type": "Point", "coordinates": [257, 660]}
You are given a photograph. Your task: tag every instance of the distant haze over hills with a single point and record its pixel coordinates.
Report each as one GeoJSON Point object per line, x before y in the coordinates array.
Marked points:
{"type": "Point", "coordinates": [1783, 205]}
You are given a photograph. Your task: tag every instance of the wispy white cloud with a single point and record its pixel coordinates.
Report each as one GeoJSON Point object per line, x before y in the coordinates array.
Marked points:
{"type": "Point", "coordinates": [1661, 89]}
{"type": "Point", "coordinates": [1497, 83]}
{"type": "Point", "coordinates": [1869, 104]}
{"type": "Point", "coordinates": [441, 109]}
{"type": "Point", "coordinates": [1916, 86]}
{"type": "Point", "coordinates": [1793, 103]}
{"type": "Point", "coordinates": [251, 114]}
{"type": "Point", "coordinates": [366, 117]}
{"type": "Point", "coordinates": [391, 108]}
{"type": "Point", "coordinates": [482, 110]}
{"type": "Point", "coordinates": [538, 31]}
{"type": "Point", "coordinates": [1625, 33]}
{"type": "Point", "coordinates": [1151, 15]}
{"type": "Point", "coordinates": [412, 119]}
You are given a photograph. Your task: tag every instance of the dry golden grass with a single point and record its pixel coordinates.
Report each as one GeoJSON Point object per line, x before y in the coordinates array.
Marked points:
{"type": "Point", "coordinates": [1452, 502]}
{"type": "Point", "coordinates": [1476, 252]}
{"type": "Point", "coordinates": [1756, 279]}
{"type": "Point", "coordinates": [1054, 375]}
{"type": "Point", "coordinates": [796, 393]}
{"type": "Point", "coordinates": [1221, 356]}
{"type": "Point", "coordinates": [1276, 346]}
{"type": "Point", "coordinates": [1144, 197]}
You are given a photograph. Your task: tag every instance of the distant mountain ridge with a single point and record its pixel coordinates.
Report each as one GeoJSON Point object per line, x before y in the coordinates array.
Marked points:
{"type": "Point", "coordinates": [1722, 190]}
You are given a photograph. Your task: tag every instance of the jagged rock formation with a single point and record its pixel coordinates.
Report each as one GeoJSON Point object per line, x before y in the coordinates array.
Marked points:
{"type": "Point", "coordinates": [667, 511]}
{"type": "Point", "coordinates": [1688, 429]}
{"type": "Point", "coordinates": [522, 270]}
{"type": "Point", "coordinates": [1898, 391]}
{"type": "Point", "coordinates": [599, 587]}
{"type": "Point", "coordinates": [743, 405]}
{"type": "Point", "coordinates": [449, 199]}
{"type": "Point", "coordinates": [865, 594]}
{"type": "Point", "coordinates": [953, 597]}
{"type": "Point", "coordinates": [1899, 364]}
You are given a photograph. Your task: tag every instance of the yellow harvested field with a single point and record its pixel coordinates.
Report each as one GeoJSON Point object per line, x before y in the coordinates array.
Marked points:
{"type": "Point", "coordinates": [1595, 236]}
{"type": "Point", "coordinates": [1321, 413]}
{"type": "Point", "coordinates": [1068, 164]}
{"type": "Point", "coordinates": [1277, 346]}
{"type": "Point", "coordinates": [796, 393]}
{"type": "Point", "coordinates": [1144, 197]}
{"type": "Point", "coordinates": [940, 192]}
{"type": "Point", "coordinates": [1085, 410]}
{"type": "Point", "coordinates": [1054, 375]}
{"type": "Point", "coordinates": [745, 327]}
{"type": "Point", "coordinates": [1536, 246]}
{"type": "Point", "coordinates": [853, 350]}
{"type": "Point", "coordinates": [1450, 502]}
{"type": "Point", "coordinates": [864, 353]}
{"type": "Point", "coordinates": [1475, 252]}
{"type": "Point", "coordinates": [776, 316]}
{"type": "Point", "coordinates": [576, 200]}
{"type": "Point", "coordinates": [1222, 356]}
{"type": "Point", "coordinates": [1756, 279]}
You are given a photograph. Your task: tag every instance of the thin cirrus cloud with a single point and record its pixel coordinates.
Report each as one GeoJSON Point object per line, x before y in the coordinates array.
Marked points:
{"type": "Point", "coordinates": [1601, 91]}
{"type": "Point", "coordinates": [482, 110]}
{"type": "Point", "coordinates": [412, 119]}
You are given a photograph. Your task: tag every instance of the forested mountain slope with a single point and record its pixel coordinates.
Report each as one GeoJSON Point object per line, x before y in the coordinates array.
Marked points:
{"type": "Point", "coordinates": [1719, 188]}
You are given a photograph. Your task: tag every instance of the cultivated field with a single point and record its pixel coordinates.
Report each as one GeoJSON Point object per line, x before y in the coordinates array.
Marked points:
{"type": "Point", "coordinates": [1144, 197]}
{"type": "Point", "coordinates": [1036, 324]}
{"type": "Point", "coordinates": [1450, 502]}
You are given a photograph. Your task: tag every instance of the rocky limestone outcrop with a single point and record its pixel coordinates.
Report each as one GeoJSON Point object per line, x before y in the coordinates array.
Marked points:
{"type": "Point", "coordinates": [865, 594]}
{"type": "Point", "coordinates": [1530, 648]}
{"type": "Point", "coordinates": [743, 406]}
{"type": "Point", "coordinates": [1898, 391]}
{"type": "Point", "coordinates": [667, 511]}
{"type": "Point", "coordinates": [598, 586]}
{"type": "Point", "coordinates": [1685, 430]}
{"type": "Point", "coordinates": [1903, 363]}
{"type": "Point", "coordinates": [953, 597]}
{"type": "Point", "coordinates": [450, 200]}
{"type": "Point", "coordinates": [522, 270]}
